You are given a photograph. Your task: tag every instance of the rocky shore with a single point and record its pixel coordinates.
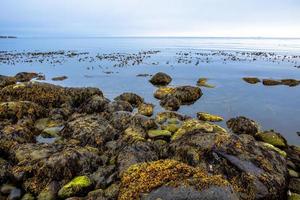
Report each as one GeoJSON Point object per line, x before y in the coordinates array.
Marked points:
{"type": "Point", "coordinates": [74, 143]}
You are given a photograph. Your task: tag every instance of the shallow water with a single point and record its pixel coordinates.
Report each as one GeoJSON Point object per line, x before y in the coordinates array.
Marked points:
{"type": "Point", "coordinates": [274, 107]}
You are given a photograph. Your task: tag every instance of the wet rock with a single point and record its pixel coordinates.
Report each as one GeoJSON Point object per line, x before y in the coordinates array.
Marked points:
{"type": "Point", "coordinates": [255, 173]}
{"type": "Point", "coordinates": [28, 196]}
{"type": "Point", "coordinates": [49, 127]}
{"type": "Point", "coordinates": [271, 137]}
{"type": "Point", "coordinates": [41, 77]}
{"type": "Point", "coordinates": [103, 177]}
{"type": "Point", "coordinates": [189, 193]}
{"type": "Point", "coordinates": [251, 80]}
{"type": "Point", "coordinates": [170, 102]}
{"type": "Point", "coordinates": [209, 117]}
{"type": "Point", "coordinates": [40, 164]}
{"type": "Point", "coordinates": [203, 82]}
{"type": "Point", "coordinates": [20, 109]}
{"type": "Point", "coordinates": [49, 192]}
{"type": "Point", "coordinates": [119, 106]}
{"type": "Point", "coordinates": [144, 122]}
{"type": "Point", "coordinates": [95, 104]}
{"type": "Point", "coordinates": [163, 92]}
{"type": "Point", "coordinates": [134, 99]}
{"type": "Point", "coordinates": [59, 78]}
{"type": "Point", "coordinates": [294, 185]}
{"type": "Point", "coordinates": [25, 76]}
{"type": "Point", "coordinates": [145, 109]}
{"type": "Point", "coordinates": [160, 78]}
{"type": "Point", "coordinates": [47, 95]}
{"type": "Point", "coordinates": [112, 191]}
{"type": "Point", "coordinates": [7, 80]}
{"type": "Point", "coordinates": [5, 172]}
{"type": "Point", "coordinates": [91, 130]}
{"type": "Point", "coordinates": [164, 116]}
{"type": "Point", "coordinates": [270, 82]}
{"type": "Point", "coordinates": [164, 172]}
{"type": "Point", "coordinates": [187, 94]}
{"type": "Point", "coordinates": [143, 75]}
{"type": "Point", "coordinates": [171, 125]}
{"type": "Point", "coordinates": [290, 82]}
{"type": "Point", "coordinates": [96, 195]}
{"type": "Point", "coordinates": [121, 120]}
{"type": "Point", "coordinates": [270, 146]}
{"type": "Point", "coordinates": [159, 134]}
{"type": "Point", "coordinates": [294, 196]}
{"type": "Point", "coordinates": [76, 187]}
{"type": "Point", "coordinates": [242, 125]}
{"type": "Point", "coordinates": [293, 153]}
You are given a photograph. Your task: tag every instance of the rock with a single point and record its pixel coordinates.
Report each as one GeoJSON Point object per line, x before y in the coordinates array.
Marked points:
{"type": "Point", "coordinates": [187, 94]}
{"type": "Point", "coordinates": [112, 191]}
{"type": "Point", "coordinates": [59, 78]}
{"type": "Point", "coordinates": [242, 125]}
{"type": "Point", "coordinates": [294, 196]}
{"type": "Point", "coordinates": [95, 104]}
{"type": "Point", "coordinates": [146, 177]}
{"type": "Point", "coordinates": [5, 168]}
{"type": "Point", "coordinates": [293, 173]}
{"type": "Point", "coordinates": [170, 102]}
{"type": "Point", "coordinates": [163, 92]}
{"type": "Point", "coordinates": [209, 117]}
{"type": "Point", "coordinates": [7, 80]}
{"type": "Point", "coordinates": [41, 77]}
{"type": "Point", "coordinates": [119, 106]}
{"type": "Point", "coordinates": [28, 196]}
{"type": "Point", "coordinates": [145, 109]}
{"type": "Point", "coordinates": [104, 176]}
{"type": "Point", "coordinates": [134, 99]}
{"type": "Point", "coordinates": [239, 158]}
{"type": "Point", "coordinates": [171, 125]}
{"type": "Point", "coordinates": [7, 188]}
{"type": "Point", "coordinates": [251, 80]}
{"type": "Point", "coordinates": [189, 193]}
{"type": "Point", "coordinates": [49, 127]}
{"type": "Point", "coordinates": [121, 120]}
{"type": "Point", "coordinates": [270, 146]}
{"type": "Point", "coordinates": [40, 164]}
{"type": "Point", "coordinates": [290, 82]}
{"type": "Point", "coordinates": [160, 78]}
{"type": "Point", "coordinates": [96, 195]}
{"type": "Point", "coordinates": [293, 153]}
{"type": "Point", "coordinates": [144, 122]}
{"type": "Point", "coordinates": [15, 194]}
{"type": "Point", "coordinates": [294, 185]}
{"type": "Point", "coordinates": [159, 134]}
{"type": "Point", "coordinates": [143, 75]}
{"type": "Point", "coordinates": [270, 82]}
{"type": "Point", "coordinates": [49, 192]}
{"type": "Point", "coordinates": [203, 82]}
{"type": "Point", "coordinates": [164, 116]}
{"type": "Point", "coordinates": [25, 76]}
{"type": "Point", "coordinates": [20, 109]}
{"type": "Point", "coordinates": [77, 186]}
{"type": "Point", "coordinates": [91, 130]}
{"type": "Point", "coordinates": [47, 95]}
{"type": "Point", "coordinates": [271, 137]}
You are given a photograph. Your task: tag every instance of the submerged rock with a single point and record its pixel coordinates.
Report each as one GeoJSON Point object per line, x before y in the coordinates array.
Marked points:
{"type": "Point", "coordinates": [76, 187]}
{"type": "Point", "coordinates": [160, 78]}
{"type": "Point", "coordinates": [203, 82]}
{"type": "Point", "coordinates": [271, 137]}
{"type": "Point", "coordinates": [251, 80]}
{"type": "Point", "coordinates": [242, 125]}
{"type": "Point", "coordinates": [270, 82]}
{"type": "Point", "coordinates": [209, 117]}
{"type": "Point", "coordinates": [59, 78]}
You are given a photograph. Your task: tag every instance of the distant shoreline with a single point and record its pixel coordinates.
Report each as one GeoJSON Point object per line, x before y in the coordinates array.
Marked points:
{"type": "Point", "coordinates": [8, 37]}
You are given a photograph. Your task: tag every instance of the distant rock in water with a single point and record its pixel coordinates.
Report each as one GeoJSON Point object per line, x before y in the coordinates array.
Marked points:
{"type": "Point", "coordinates": [59, 78]}
{"type": "Point", "coordinates": [203, 82]}
{"type": "Point", "coordinates": [160, 78]}
{"type": "Point", "coordinates": [7, 37]}
{"type": "Point", "coordinates": [251, 80]}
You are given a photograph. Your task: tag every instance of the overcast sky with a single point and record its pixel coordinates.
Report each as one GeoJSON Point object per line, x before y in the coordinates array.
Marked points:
{"type": "Point", "coordinates": [273, 18]}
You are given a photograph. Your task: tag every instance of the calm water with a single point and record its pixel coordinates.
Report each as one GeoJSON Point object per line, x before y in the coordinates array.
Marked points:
{"type": "Point", "coordinates": [272, 107]}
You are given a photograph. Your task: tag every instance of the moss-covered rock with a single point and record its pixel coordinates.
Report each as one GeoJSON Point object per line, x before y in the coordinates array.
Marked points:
{"type": "Point", "coordinates": [25, 76]}
{"type": "Point", "coordinates": [162, 92]}
{"type": "Point", "coordinates": [187, 94]}
{"type": "Point", "coordinates": [203, 82]}
{"type": "Point", "coordinates": [49, 127]}
{"type": "Point", "coordinates": [145, 177]}
{"type": "Point", "coordinates": [242, 125]}
{"type": "Point", "coordinates": [271, 137]}
{"type": "Point", "coordinates": [77, 187]}
{"type": "Point", "coordinates": [170, 102]}
{"type": "Point", "coordinates": [209, 117]}
{"type": "Point", "coordinates": [146, 109]}
{"type": "Point", "coordinates": [159, 134]}
{"type": "Point", "coordinates": [164, 116]}
{"type": "Point", "coordinates": [132, 98]}
{"type": "Point", "coordinates": [294, 196]}
{"type": "Point", "coordinates": [28, 196]}
{"type": "Point", "coordinates": [270, 146]}
{"type": "Point", "coordinates": [160, 78]}
{"type": "Point", "coordinates": [290, 82]}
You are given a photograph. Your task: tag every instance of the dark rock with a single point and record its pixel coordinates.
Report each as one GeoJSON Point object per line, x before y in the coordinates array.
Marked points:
{"type": "Point", "coordinates": [49, 192]}
{"type": "Point", "coordinates": [143, 122]}
{"type": "Point", "coordinates": [290, 82]}
{"type": "Point", "coordinates": [270, 82]}
{"type": "Point", "coordinates": [134, 99]}
{"type": "Point", "coordinates": [15, 194]}
{"type": "Point", "coordinates": [294, 185]}
{"type": "Point", "coordinates": [7, 80]}
{"type": "Point", "coordinates": [121, 120]}
{"type": "Point", "coordinates": [160, 78]}
{"type": "Point", "coordinates": [119, 106]}
{"type": "Point", "coordinates": [146, 109]}
{"type": "Point", "coordinates": [187, 94]}
{"type": "Point", "coordinates": [95, 104]}
{"type": "Point", "coordinates": [170, 102]}
{"type": "Point", "coordinates": [25, 76]}
{"type": "Point", "coordinates": [59, 78]}
{"type": "Point", "coordinates": [251, 80]}
{"type": "Point", "coordinates": [5, 171]}
{"type": "Point", "coordinates": [242, 125]}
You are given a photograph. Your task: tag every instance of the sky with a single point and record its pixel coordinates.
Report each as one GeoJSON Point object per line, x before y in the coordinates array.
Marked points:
{"type": "Point", "coordinates": [189, 18]}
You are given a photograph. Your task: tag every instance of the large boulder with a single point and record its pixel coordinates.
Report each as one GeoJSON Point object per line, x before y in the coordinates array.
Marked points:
{"type": "Point", "coordinates": [160, 78]}
{"type": "Point", "coordinates": [132, 98]}
{"type": "Point", "coordinates": [187, 94]}
{"type": "Point", "coordinates": [242, 125]}
{"type": "Point", "coordinates": [254, 170]}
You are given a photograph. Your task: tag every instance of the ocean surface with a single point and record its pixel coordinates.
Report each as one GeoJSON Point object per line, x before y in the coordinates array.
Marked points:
{"type": "Point", "coordinates": [224, 61]}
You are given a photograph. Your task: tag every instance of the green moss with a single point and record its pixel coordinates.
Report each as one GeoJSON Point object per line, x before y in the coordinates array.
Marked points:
{"type": "Point", "coordinates": [159, 134]}
{"type": "Point", "coordinates": [294, 196]}
{"type": "Point", "coordinates": [191, 125]}
{"type": "Point", "coordinates": [293, 173]}
{"type": "Point", "coordinates": [75, 187]}
{"type": "Point", "coordinates": [171, 127]}
{"type": "Point", "coordinates": [272, 138]}
{"type": "Point", "coordinates": [162, 92]}
{"type": "Point", "coordinates": [144, 177]}
{"type": "Point", "coordinates": [209, 117]}
{"type": "Point", "coordinates": [270, 146]}
{"type": "Point", "coordinates": [28, 196]}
